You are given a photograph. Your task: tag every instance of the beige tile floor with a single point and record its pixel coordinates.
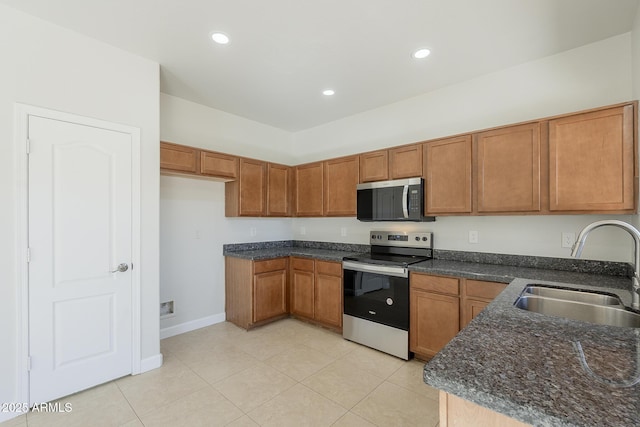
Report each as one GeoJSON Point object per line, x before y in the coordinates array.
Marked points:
{"type": "Point", "coordinates": [288, 373]}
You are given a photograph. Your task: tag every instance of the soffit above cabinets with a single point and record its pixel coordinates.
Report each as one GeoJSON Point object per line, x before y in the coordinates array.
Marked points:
{"type": "Point", "coordinates": [282, 54]}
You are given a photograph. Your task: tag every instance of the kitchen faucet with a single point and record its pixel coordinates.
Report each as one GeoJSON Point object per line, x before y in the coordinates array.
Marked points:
{"type": "Point", "coordinates": [576, 250]}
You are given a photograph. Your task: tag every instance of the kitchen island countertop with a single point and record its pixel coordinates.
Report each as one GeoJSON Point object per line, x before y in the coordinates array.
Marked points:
{"type": "Point", "coordinates": [527, 365]}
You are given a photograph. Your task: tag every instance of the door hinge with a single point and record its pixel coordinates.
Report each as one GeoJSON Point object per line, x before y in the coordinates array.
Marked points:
{"type": "Point", "coordinates": [28, 146]}
{"type": "Point", "coordinates": [28, 254]}
{"type": "Point", "coordinates": [28, 363]}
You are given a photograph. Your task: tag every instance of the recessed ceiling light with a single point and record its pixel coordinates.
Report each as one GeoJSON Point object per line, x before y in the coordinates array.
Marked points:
{"type": "Point", "coordinates": [220, 38]}
{"type": "Point", "coordinates": [328, 92]}
{"type": "Point", "coordinates": [421, 53]}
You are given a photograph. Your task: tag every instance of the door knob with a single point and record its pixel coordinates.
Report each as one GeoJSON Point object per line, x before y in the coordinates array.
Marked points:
{"type": "Point", "coordinates": [121, 268]}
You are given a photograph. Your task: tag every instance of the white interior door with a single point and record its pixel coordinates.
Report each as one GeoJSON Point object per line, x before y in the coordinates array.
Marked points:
{"type": "Point", "coordinates": [80, 231]}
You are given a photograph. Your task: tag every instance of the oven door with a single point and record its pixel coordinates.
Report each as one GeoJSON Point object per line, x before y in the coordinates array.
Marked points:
{"type": "Point", "coordinates": [377, 293]}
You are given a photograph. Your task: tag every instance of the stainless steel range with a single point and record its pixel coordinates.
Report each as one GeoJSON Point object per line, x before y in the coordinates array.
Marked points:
{"type": "Point", "coordinates": [376, 290]}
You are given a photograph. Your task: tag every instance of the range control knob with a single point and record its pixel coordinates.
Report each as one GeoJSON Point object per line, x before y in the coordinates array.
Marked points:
{"type": "Point", "coordinates": [417, 238]}
{"type": "Point", "coordinates": [424, 239]}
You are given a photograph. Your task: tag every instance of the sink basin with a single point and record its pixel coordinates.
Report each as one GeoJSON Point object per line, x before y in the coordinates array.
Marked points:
{"type": "Point", "coordinates": [573, 295]}
{"type": "Point", "coordinates": [574, 304]}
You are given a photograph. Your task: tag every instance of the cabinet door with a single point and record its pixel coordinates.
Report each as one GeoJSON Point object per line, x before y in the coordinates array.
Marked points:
{"type": "Point", "coordinates": [591, 161]}
{"type": "Point", "coordinates": [308, 189]}
{"type": "Point", "coordinates": [340, 182]}
{"type": "Point", "coordinates": [405, 162]}
{"type": "Point", "coordinates": [374, 166]}
{"type": "Point", "coordinates": [476, 295]}
{"type": "Point", "coordinates": [328, 293]}
{"type": "Point", "coordinates": [252, 188]}
{"type": "Point", "coordinates": [269, 295]}
{"type": "Point", "coordinates": [470, 309]}
{"type": "Point", "coordinates": [178, 158]}
{"type": "Point", "coordinates": [279, 190]}
{"type": "Point", "coordinates": [302, 287]}
{"type": "Point", "coordinates": [434, 321]}
{"type": "Point", "coordinates": [218, 165]}
{"type": "Point", "coordinates": [509, 169]}
{"type": "Point", "coordinates": [447, 171]}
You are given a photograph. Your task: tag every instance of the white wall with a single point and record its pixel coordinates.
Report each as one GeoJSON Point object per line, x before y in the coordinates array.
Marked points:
{"type": "Point", "coordinates": [193, 227]}
{"type": "Point", "coordinates": [590, 76]}
{"type": "Point", "coordinates": [185, 122]}
{"type": "Point", "coordinates": [47, 66]}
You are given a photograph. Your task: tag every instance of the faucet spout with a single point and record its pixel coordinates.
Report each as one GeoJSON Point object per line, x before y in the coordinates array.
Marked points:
{"type": "Point", "coordinates": [576, 251]}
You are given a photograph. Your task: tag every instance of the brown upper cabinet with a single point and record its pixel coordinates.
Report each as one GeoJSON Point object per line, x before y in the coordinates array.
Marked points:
{"type": "Point", "coordinates": [584, 162]}
{"type": "Point", "coordinates": [592, 162]}
{"type": "Point", "coordinates": [394, 163]}
{"type": "Point", "coordinates": [218, 165]}
{"type": "Point", "coordinates": [178, 158]}
{"type": "Point", "coordinates": [340, 182]}
{"type": "Point", "coordinates": [279, 190]}
{"type": "Point", "coordinates": [246, 195]}
{"type": "Point", "coordinates": [309, 192]}
{"type": "Point", "coordinates": [447, 173]}
{"type": "Point", "coordinates": [405, 161]}
{"type": "Point", "coordinates": [508, 169]}
{"type": "Point", "coordinates": [374, 166]}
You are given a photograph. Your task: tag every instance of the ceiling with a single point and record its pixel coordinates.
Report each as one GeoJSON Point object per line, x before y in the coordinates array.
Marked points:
{"type": "Point", "coordinates": [284, 53]}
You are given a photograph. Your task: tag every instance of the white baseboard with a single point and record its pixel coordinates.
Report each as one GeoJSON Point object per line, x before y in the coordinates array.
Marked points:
{"type": "Point", "coordinates": [150, 363]}
{"type": "Point", "coordinates": [192, 325]}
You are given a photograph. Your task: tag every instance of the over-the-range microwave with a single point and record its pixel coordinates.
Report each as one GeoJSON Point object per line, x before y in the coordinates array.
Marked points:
{"type": "Point", "coordinates": [397, 200]}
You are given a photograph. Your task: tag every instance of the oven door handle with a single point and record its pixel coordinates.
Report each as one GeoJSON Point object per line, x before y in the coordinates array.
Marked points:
{"type": "Point", "coordinates": [382, 269]}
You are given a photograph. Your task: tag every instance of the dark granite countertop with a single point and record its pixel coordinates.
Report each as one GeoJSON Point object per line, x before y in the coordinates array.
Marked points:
{"type": "Point", "coordinates": [527, 366]}
{"type": "Point", "coordinates": [318, 250]}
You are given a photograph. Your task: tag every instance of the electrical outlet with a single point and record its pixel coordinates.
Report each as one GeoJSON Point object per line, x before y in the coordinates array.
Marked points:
{"type": "Point", "coordinates": [253, 231]}
{"type": "Point", "coordinates": [568, 239]}
{"type": "Point", "coordinates": [303, 231]}
{"type": "Point", "coordinates": [473, 237]}
{"type": "Point", "coordinates": [343, 231]}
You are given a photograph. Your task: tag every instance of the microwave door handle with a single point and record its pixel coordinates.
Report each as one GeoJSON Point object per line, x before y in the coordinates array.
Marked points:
{"type": "Point", "coordinates": [405, 201]}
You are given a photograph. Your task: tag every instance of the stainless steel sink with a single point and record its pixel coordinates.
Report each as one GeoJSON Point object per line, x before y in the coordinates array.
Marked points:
{"type": "Point", "coordinates": [574, 304]}
{"type": "Point", "coordinates": [573, 295]}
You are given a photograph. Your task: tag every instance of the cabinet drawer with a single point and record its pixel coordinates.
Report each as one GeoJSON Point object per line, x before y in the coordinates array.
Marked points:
{"type": "Point", "coordinates": [482, 289]}
{"type": "Point", "coordinates": [441, 285]}
{"type": "Point", "coordinates": [329, 268]}
{"type": "Point", "coordinates": [269, 265]}
{"type": "Point", "coordinates": [303, 264]}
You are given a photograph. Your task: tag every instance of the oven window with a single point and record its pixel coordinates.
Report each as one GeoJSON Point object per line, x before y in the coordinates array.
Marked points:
{"type": "Point", "coordinates": [377, 297]}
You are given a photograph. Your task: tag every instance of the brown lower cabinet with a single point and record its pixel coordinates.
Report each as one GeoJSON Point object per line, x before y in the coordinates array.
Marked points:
{"type": "Point", "coordinates": [476, 295]}
{"type": "Point", "coordinates": [455, 411]}
{"type": "Point", "coordinates": [255, 291]}
{"type": "Point", "coordinates": [434, 313]}
{"type": "Point", "coordinates": [441, 306]}
{"type": "Point", "coordinates": [316, 291]}
{"type": "Point", "coordinates": [261, 291]}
